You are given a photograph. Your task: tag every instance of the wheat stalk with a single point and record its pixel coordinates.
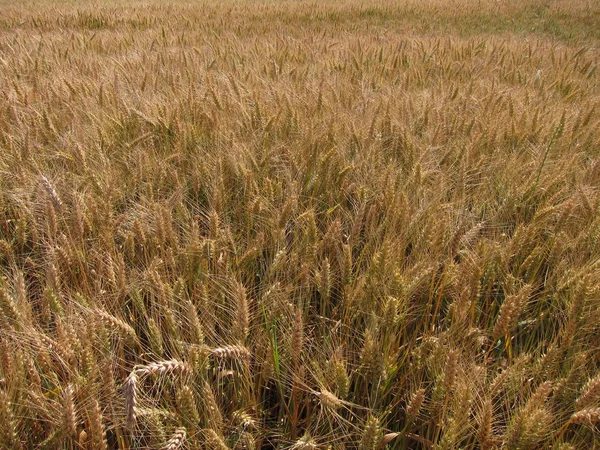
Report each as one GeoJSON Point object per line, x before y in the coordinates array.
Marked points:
{"type": "Point", "coordinates": [177, 439]}
{"type": "Point", "coordinates": [51, 191]}
{"type": "Point", "coordinates": [238, 352]}
{"type": "Point", "coordinates": [131, 399]}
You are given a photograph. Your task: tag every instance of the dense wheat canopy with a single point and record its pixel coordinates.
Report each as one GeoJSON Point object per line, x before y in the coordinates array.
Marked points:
{"type": "Point", "coordinates": [300, 225]}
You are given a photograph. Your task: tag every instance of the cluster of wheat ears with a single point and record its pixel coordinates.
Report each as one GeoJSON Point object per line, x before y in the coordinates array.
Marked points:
{"type": "Point", "coordinates": [286, 225]}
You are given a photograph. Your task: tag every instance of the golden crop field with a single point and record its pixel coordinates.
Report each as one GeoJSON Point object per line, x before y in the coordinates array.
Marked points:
{"type": "Point", "coordinates": [291, 225]}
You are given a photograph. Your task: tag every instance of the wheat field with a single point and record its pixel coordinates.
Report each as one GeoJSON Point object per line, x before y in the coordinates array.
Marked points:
{"type": "Point", "coordinates": [257, 225]}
